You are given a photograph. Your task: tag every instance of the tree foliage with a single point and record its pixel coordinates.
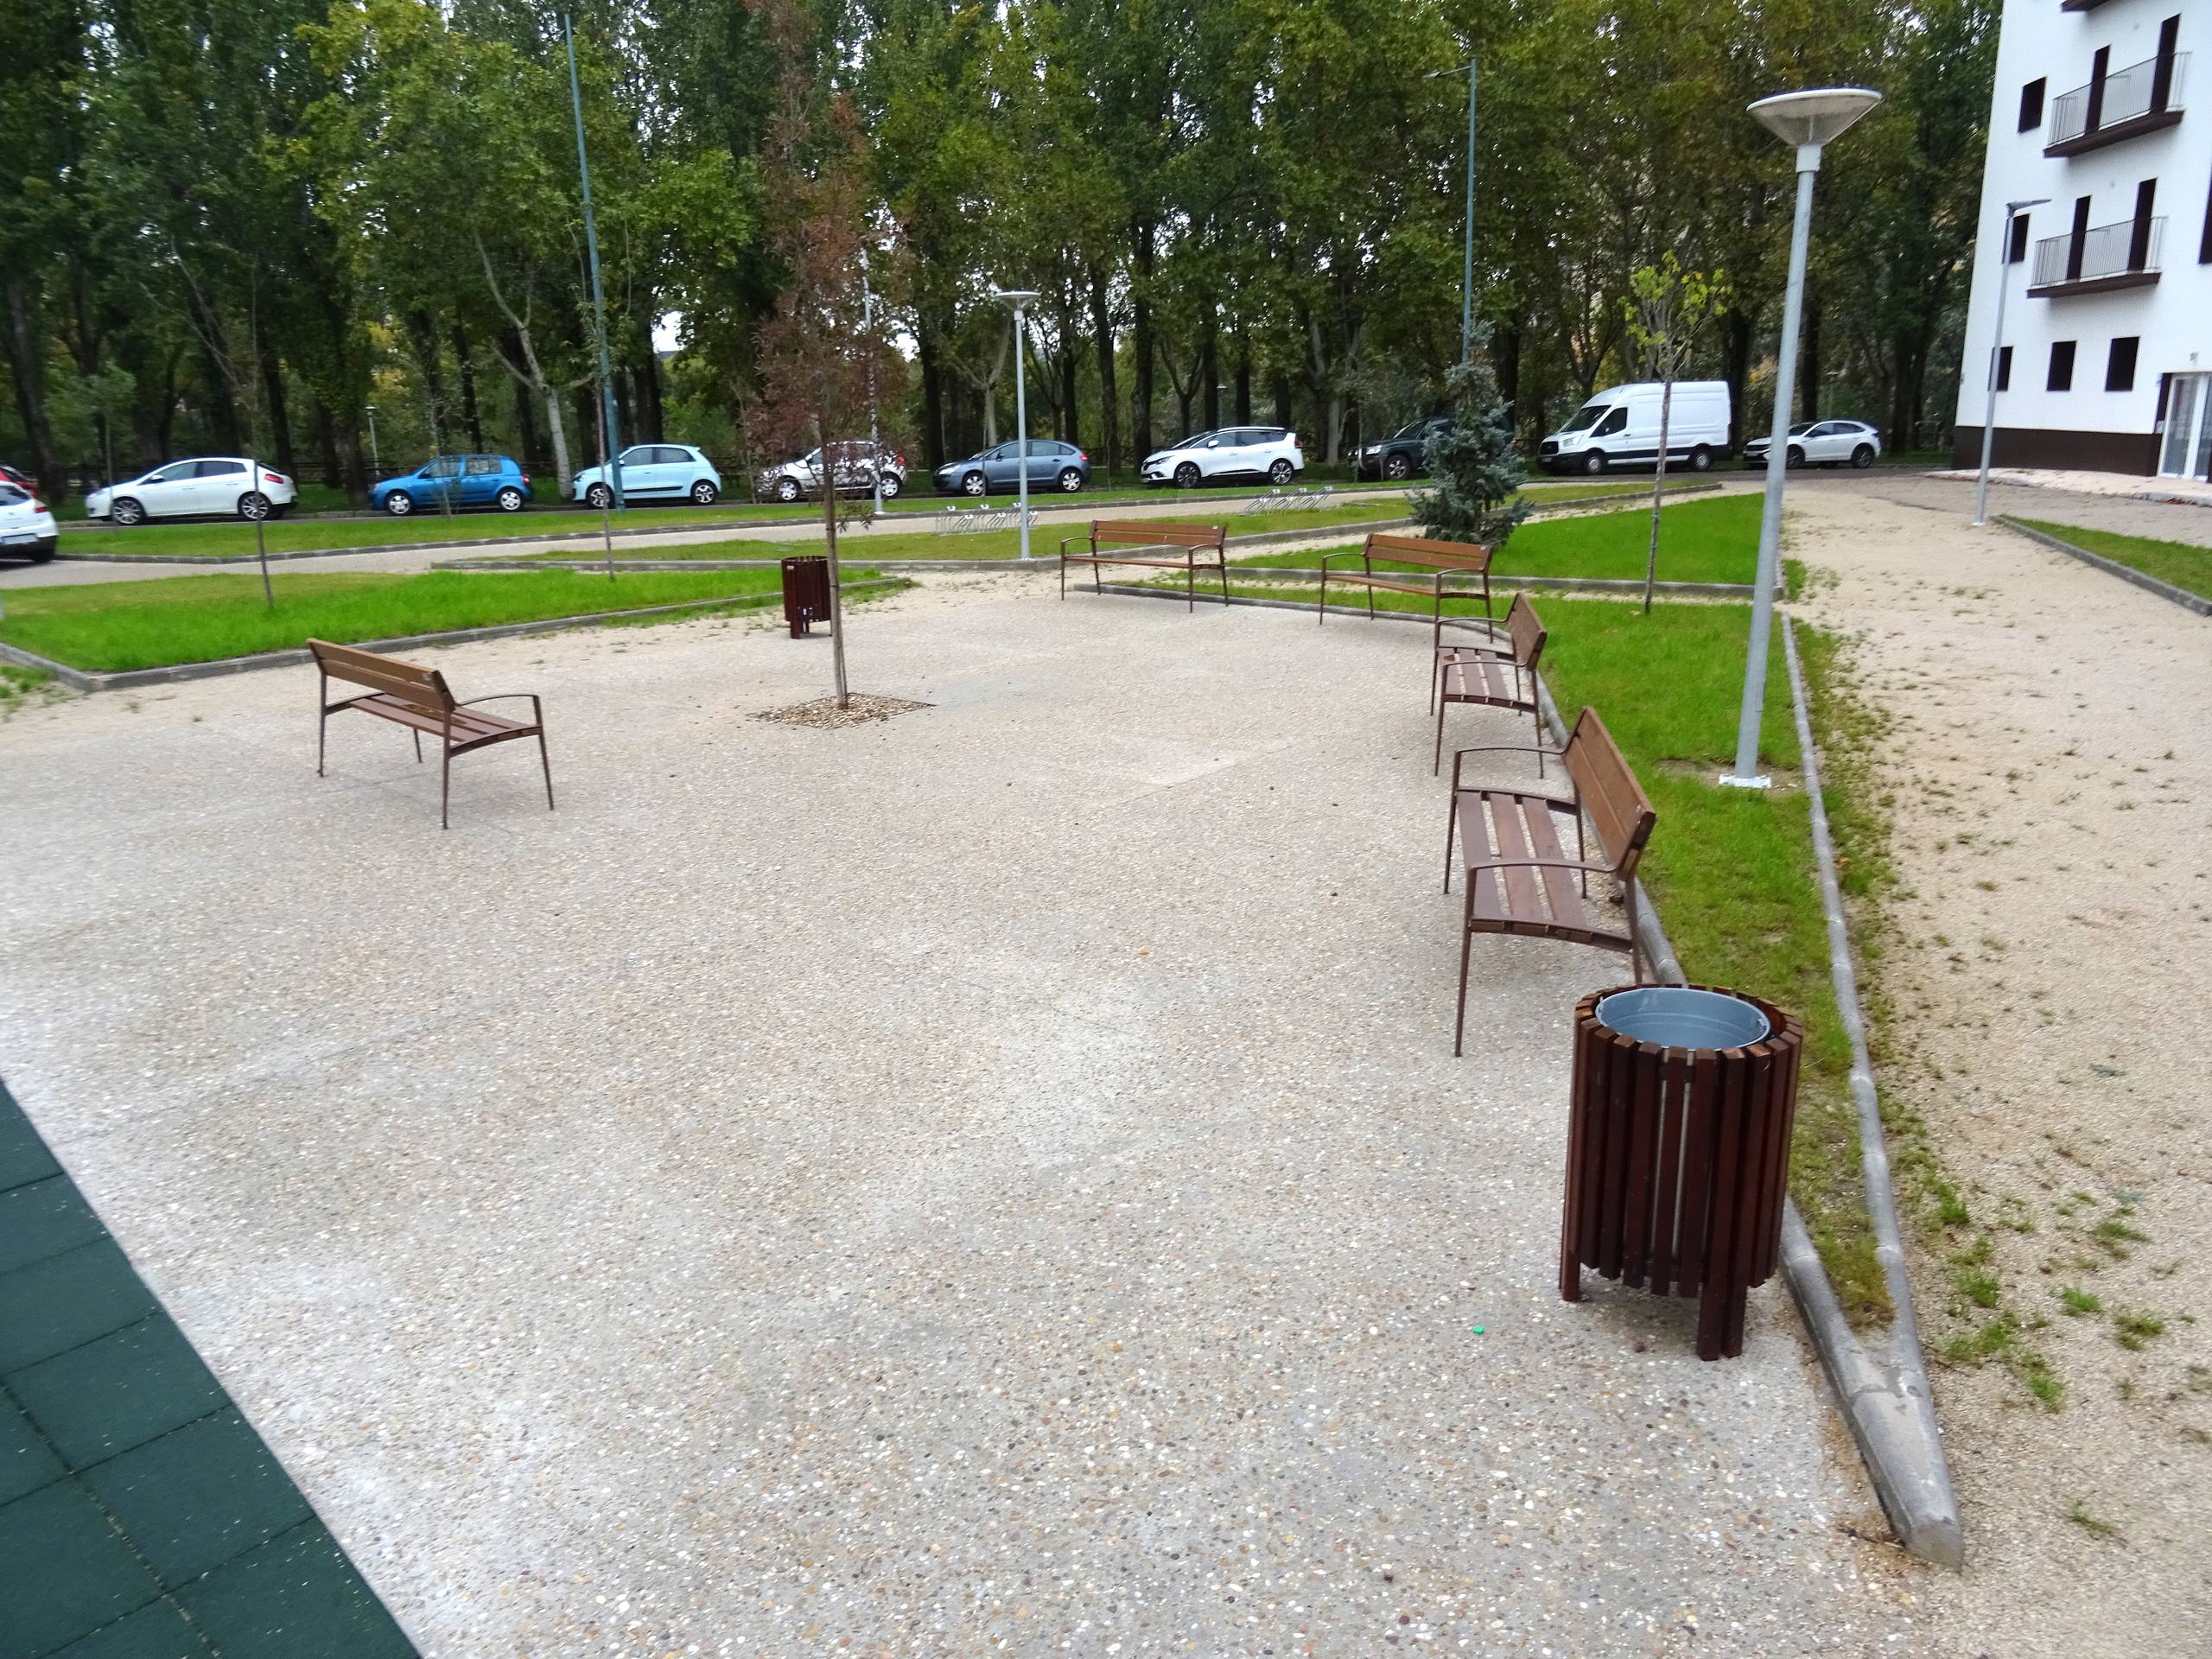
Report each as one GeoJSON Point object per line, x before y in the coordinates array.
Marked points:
{"type": "Point", "coordinates": [1475, 468]}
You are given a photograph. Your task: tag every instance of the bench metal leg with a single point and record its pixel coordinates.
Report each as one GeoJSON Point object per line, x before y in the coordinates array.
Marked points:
{"type": "Point", "coordinates": [445, 788]}
{"type": "Point", "coordinates": [1064, 582]}
{"type": "Point", "coordinates": [1442, 703]}
{"type": "Point", "coordinates": [1190, 585]}
{"type": "Point", "coordinates": [1224, 580]}
{"type": "Point", "coordinates": [1450, 838]}
{"type": "Point", "coordinates": [1321, 605]}
{"type": "Point", "coordinates": [1466, 945]}
{"type": "Point", "coordinates": [543, 761]}
{"type": "Point", "coordinates": [417, 736]}
{"type": "Point", "coordinates": [322, 719]}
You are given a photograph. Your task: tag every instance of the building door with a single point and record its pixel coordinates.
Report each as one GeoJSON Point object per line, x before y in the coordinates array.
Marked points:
{"type": "Point", "coordinates": [2187, 452]}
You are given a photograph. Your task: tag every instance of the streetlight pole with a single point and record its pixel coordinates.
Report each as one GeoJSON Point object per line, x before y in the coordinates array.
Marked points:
{"type": "Point", "coordinates": [1809, 120]}
{"type": "Point", "coordinates": [1020, 299]}
{"type": "Point", "coordinates": [1467, 275]}
{"type": "Point", "coordinates": [598, 299]}
{"type": "Point", "coordinates": [375, 459]}
{"type": "Point", "coordinates": [874, 433]}
{"type": "Point", "coordinates": [2013, 211]}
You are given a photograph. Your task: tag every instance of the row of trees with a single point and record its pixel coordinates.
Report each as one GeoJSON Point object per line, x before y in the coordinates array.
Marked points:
{"type": "Point", "coordinates": [237, 227]}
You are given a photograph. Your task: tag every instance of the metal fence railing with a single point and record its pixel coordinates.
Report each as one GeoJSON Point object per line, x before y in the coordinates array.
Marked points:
{"type": "Point", "coordinates": [2152, 85]}
{"type": "Point", "coordinates": [2125, 246]}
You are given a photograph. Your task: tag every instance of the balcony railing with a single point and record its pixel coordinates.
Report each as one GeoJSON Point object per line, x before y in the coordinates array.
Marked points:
{"type": "Point", "coordinates": [2138, 97]}
{"type": "Point", "coordinates": [2120, 255]}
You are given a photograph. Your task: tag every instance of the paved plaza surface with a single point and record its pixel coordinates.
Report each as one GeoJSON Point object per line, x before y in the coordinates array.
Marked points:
{"type": "Point", "coordinates": [992, 1182]}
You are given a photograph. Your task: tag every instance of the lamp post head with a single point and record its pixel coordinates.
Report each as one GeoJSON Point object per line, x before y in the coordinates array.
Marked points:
{"type": "Point", "coordinates": [2012, 207]}
{"type": "Point", "coordinates": [1019, 298]}
{"type": "Point", "coordinates": [1814, 117]}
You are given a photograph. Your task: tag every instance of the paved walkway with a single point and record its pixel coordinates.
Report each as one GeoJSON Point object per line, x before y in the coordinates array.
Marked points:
{"type": "Point", "coordinates": [995, 1181]}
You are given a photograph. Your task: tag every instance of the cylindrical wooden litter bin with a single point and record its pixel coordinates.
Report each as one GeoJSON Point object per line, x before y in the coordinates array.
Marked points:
{"type": "Point", "coordinates": [806, 592]}
{"type": "Point", "coordinates": [1678, 1147]}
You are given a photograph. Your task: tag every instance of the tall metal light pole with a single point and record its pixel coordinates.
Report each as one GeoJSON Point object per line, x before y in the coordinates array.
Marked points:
{"type": "Point", "coordinates": [598, 300]}
{"type": "Point", "coordinates": [1809, 120]}
{"type": "Point", "coordinates": [375, 459]}
{"type": "Point", "coordinates": [2013, 211]}
{"type": "Point", "coordinates": [1020, 299]}
{"type": "Point", "coordinates": [1467, 277]}
{"type": "Point", "coordinates": [875, 433]}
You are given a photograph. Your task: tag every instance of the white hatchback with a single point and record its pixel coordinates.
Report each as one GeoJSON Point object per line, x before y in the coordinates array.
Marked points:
{"type": "Point", "coordinates": [1823, 443]}
{"type": "Point", "coordinates": [1270, 451]}
{"type": "Point", "coordinates": [27, 530]}
{"type": "Point", "coordinates": [205, 486]}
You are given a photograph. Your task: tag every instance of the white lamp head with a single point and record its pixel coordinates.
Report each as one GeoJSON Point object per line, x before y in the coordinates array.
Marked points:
{"type": "Point", "coordinates": [1814, 118]}
{"type": "Point", "coordinates": [1019, 298]}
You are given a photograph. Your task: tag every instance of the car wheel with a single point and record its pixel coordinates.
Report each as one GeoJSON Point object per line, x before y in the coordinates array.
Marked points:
{"type": "Point", "coordinates": [787, 489]}
{"type": "Point", "coordinates": [1701, 460]}
{"type": "Point", "coordinates": [510, 499]}
{"type": "Point", "coordinates": [253, 505]}
{"type": "Point", "coordinates": [399, 504]}
{"type": "Point", "coordinates": [1281, 473]}
{"type": "Point", "coordinates": [1187, 476]}
{"type": "Point", "coordinates": [1863, 456]}
{"type": "Point", "coordinates": [972, 484]}
{"type": "Point", "coordinates": [1593, 461]}
{"type": "Point", "coordinates": [705, 494]}
{"type": "Point", "coordinates": [1795, 458]}
{"type": "Point", "coordinates": [601, 496]}
{"type": "Point", "coordinates": [892, 485]}
{"type": "Point", "coordinates": [1071, 480]}
{"type": "Point", "coordinates": [1398, 467]}
{"type": "Point", "coordinates": [126, 512]}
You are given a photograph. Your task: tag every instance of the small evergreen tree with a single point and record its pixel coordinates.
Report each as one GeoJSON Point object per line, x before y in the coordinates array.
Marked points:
{"type": "Point", "coordinates": [1474, 470]}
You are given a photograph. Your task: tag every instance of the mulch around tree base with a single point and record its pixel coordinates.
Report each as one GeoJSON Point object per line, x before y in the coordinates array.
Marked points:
{"type": "Point", "coordinates": [824, 712]}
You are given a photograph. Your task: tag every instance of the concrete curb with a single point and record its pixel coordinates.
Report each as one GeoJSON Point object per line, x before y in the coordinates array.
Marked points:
{"type": "Point", "coordinates": [1882, 1392]}
{"type": "Point", "coordinates": [2180, 596]}
{"type": "Point", "coordinates": [80, 679]}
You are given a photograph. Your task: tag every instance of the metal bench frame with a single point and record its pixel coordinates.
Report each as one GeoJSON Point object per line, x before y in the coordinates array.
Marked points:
{"type": "Point", "coordinates": [1492, 677]}
{"type": "Point", "coordinates": [1446, 558]}
{"type": "Point", "coordinates": [1142, 535]}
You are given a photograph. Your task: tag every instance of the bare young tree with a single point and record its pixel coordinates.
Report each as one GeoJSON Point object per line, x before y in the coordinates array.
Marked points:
{"type": "Point", "coordinates": [1666, 309]}
{"type": "Point", "coordinates": [826, 364]}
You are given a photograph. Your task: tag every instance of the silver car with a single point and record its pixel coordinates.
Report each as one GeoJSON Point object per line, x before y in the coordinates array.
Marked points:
{"type": "Point", "coordinates": [856, 462]}
{"type": "Point", "coordinates": [1823, 443]}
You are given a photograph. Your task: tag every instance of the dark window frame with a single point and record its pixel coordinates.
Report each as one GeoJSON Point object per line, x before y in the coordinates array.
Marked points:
{"type": "Point", "coordinates": [2004, 368]}
{"type": "Point", "coordinates": [2060, 375]}
{"type": "Point", "coordinates": [2031, 101]}
{"type": "Point", "coordinates": [2119, 364]}
{"type": "Point", "coordinates": [2016, 252]}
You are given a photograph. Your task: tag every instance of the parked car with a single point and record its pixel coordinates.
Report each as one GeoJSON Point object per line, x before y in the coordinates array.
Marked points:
{"type": "Point", "coordinates": [456, 481]}
{"type": "Point", "coordinates": [27, 529]}
{"type": "Point", "coordinates": [203, 487]}
{"type": "Point", "coordinates": [856, 463]}
{"type": "Point", "coordinates": [1821, 443]}
{"type": "Point", "coordinates": [1270, 451]}
{"type": "Point", "coordinates": [1404, 453]}
{"type": "Point", "coordinates": [18, 477]}
{"type": "Point", "coordinates": [1619, 426]}
{"type": "Point", "coordinates": [1052, 466]}
{"type": "Point", "coordinates": [654, 471]}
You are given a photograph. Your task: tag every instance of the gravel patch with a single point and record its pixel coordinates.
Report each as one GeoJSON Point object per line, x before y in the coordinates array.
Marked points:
{"type": "Point", "coordinates": [829, 714]}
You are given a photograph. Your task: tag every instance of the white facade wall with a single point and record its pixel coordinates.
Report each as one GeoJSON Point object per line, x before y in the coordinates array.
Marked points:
{"type": "Point", "coordinates": [2089, 426]}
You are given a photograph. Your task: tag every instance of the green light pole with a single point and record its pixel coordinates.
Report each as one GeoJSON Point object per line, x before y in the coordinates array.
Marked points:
{"type": "Point", "coordinates": [598, 299]}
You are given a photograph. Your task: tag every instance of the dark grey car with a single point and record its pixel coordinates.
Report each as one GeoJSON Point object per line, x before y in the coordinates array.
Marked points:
{"type": "Point", "coordinates": [1052, 466]}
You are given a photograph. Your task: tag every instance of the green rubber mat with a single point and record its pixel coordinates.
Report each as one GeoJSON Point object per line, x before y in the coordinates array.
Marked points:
{"type": "Point", "coordinates": [140, 1516]}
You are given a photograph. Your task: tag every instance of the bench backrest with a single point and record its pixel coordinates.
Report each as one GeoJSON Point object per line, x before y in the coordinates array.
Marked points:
{"type": "Point", "coordinates": [422, 688]}
{"type": "Point", "coordinates": [1611, 795]}
{"type": "Point", "coordinates": [1528, 632]}
{"type": "Point", "coordinates": [1437, 556]}
{"type": "Point", "coordinates": [1155, 532]}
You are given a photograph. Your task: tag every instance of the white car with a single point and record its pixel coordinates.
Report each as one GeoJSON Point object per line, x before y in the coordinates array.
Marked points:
{"type": "Point", "coordinates": [1270, 451]}
{"type": "Point", "coordinates": [654, 471]}
{"type": "Point", "coordinates": [1823, 443]}
{"type": "Point", "coordinates": [856, 462]}
{"type": "Point", "coordinates": [27, 529]}
{"type": "Point", "coordinates": [205, 486]}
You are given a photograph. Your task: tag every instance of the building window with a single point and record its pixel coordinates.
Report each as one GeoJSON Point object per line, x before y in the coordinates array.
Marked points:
{"type": "Point", "coordinates": [2018, 250]}
{"type": "Point", "coordinates": [2204, 243]}
{"type": "Point", "coordinates": [2032, 106]}
{"type": "Point", "coordinates": [2004, 368]}
{"type": "Point", "coordinates": [2061, 377]}
{"type": "Point", "coordinates": [2120, 367]}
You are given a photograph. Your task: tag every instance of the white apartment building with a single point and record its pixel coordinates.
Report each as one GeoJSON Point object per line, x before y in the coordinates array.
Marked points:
{"type": "Point", "coordinates": [2107, 359]}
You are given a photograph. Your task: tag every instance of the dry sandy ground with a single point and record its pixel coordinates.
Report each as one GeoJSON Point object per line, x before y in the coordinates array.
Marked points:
{"type": "Point", "coordinates": [2050, 756]}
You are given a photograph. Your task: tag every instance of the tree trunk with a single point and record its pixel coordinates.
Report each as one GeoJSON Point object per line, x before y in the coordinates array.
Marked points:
{"type": "Point", "coordinates": [27, 368]}
{"type": "Point", "coordinates": [325, 444]}
{"type": "Point", "coordinates": [1658, 488]}
{"type": "Point", "coordinates": [1507, 357]}
{"type": "Point", "coordinates": [1209, 369]}
{"type": "Point", "coordinates": [1808, 382]}
{"type": "Point", "coordinates": [625, 409]}
{"type": "Point", "coordinates": [1738, 328]}
{"type": "Point", "coordinates": [651, 413]}
{"type": "Point", "coordinates": [1109, 414]}
{"type": "Point", "coordinates": [1141, 346]}
{"type": "Point", "coordinates": [1243, 377]}
{"type": "Point", "coordinates": [829, 546]}
{"type": "Point", "coordinates": [1070, 423]}
{"type": "Point", "coordinates": [280, 411]}
{"type": "Point", "coordinates": [563, 472]}
{"type": "Point", "coordinates": [1279, 389]}
{"type": "Point", "coordinates": [222, 407]}
{"type": "Point", "coordinates": [536, 457]}
{"type": "Point", "coordinates": [472, 418]}
{"type": "Point", "coordinates": [933, 451]}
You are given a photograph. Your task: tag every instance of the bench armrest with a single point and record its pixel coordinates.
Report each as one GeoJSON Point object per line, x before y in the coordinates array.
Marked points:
{"type": "Point", "coordinates": [1575, 864]}
{"type": "Point", "coordinates": [1359, 553]}
{"type": "Point", "coordinates": [1065, 540]}
{"type": "Point", "coordinates": [536, 708]}
{"type": "Point", "coordinates": [1459, 755]}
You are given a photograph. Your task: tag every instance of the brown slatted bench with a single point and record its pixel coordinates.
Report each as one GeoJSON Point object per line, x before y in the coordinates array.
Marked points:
{"type": "Point", "coordinates": [1142, 535]}
{"type": "Point", "coordinates": [416, 698]}
{"type": "Point", "coordinates": [1519, 877]}
{"type": "Point", "coordinates": [1470, 558]}
{"type": "Point", "coordinates": [1493, 676]}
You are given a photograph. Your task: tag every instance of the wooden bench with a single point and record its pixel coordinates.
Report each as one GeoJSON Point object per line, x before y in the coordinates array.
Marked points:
{"type": "Point", "coordinates": [1519, 877]}
{"type": "Point", "coordinates": [1143, 536]}
{"type": "Point", "coordinates": [1446, 558]}
{"type": "Point", "coordinates": [418, 698]}
{"type": "Point", "coordinates": [1493, 676]}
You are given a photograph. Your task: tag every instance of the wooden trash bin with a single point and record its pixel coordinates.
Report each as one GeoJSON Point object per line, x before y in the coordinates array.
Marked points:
{"type": "Point", "coordinates": [1678, 1153]}
{"type": "Point", "coordinates": [806, 592]}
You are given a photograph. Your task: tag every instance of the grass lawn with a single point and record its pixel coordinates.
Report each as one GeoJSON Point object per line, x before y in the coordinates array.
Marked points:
{"type": "Point", "coordinates": [2186, 567]}
{"type": "Point", "coordinates": [1710, 539]}
{"type": "Point", "coordinates": [110, 626]}
{"type": "Point", "coordinates": [1732, 871]}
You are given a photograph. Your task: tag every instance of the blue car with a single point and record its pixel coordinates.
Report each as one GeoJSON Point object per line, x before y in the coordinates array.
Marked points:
{"type": "Point", "coordinates": [496, 481]}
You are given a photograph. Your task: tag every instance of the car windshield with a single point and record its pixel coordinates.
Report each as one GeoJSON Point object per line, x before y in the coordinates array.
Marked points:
{"type": "Point", "coordinates": [1411, 429]}
{"type": "Point", "coordinates": [1585, 418]}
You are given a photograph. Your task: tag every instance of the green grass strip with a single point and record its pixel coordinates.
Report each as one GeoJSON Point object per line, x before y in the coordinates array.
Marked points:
{"type": "Point", "coordinates": [113, 627]}
{"type": "Point", "coordinates": [2184, 566]}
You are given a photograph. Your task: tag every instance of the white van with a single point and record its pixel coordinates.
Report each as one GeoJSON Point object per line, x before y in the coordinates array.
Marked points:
{"type": "Point", "coordinates": [1619, 426]}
